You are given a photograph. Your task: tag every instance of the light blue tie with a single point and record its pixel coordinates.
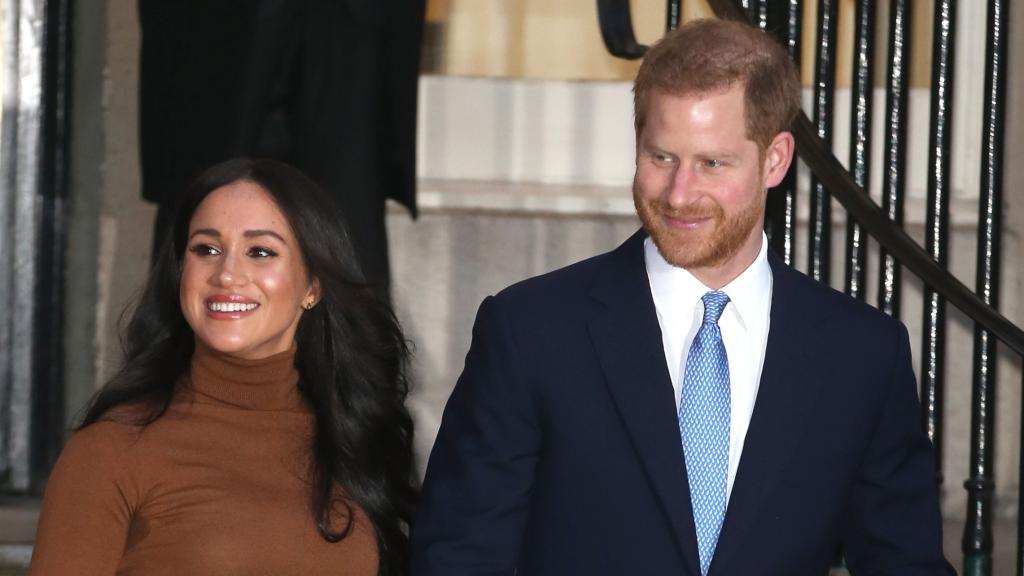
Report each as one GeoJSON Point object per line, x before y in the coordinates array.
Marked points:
{"type": "Point", "coordinates": [704, 412]}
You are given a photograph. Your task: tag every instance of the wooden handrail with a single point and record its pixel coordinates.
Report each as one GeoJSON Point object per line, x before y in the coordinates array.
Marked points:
{"type": "Point", "coordinates": [617, 29]}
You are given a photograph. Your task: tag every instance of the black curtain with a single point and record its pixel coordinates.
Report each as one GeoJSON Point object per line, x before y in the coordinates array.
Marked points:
{"type": "Point", "coordinates": [328, 86]}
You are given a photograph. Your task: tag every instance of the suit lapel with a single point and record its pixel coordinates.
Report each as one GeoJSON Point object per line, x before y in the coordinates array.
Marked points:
{"type": "Point", "coordinates": [627, 338]}
{"type": "Point", "coordinates": [786, 393]}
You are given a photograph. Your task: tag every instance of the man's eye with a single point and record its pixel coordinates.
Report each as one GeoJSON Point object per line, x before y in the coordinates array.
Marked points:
{"type": "Point", "coordinates": [711, 163]}
{"type": "Point", "coordinates": [204, 250]}
{"type": "Point", "coordinates": [261, 252]}
{"type": "Point", "coordinates": [662, 158]}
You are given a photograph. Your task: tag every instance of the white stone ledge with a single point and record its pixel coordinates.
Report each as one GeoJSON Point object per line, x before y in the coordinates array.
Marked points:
{"type": "Point", "coordinates": [579, 132]}
{"type": "Point", "coordinates": [524, 198]}
{"type": "Point", "coordinates": [491, 197]}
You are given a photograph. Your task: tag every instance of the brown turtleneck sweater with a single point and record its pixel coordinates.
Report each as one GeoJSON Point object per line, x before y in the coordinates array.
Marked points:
{"type": "Point", "coordinates": [217, 485]}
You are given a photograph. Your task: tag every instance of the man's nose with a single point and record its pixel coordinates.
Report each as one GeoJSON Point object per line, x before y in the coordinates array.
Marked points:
{"type": "Point", "coordinates": [683, 187]}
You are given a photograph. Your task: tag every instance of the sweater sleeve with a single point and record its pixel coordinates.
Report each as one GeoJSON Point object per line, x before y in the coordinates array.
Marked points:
{"type": "Point", "coordinates": [87, 510]}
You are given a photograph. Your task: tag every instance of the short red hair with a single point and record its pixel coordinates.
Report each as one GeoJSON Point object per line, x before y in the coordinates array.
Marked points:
{"type": "Point", "coordinates": [712, 56]}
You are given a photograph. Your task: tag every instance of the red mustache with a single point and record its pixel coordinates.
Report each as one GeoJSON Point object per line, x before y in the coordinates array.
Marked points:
{"type": "Point", "coordinates": [693, 213]}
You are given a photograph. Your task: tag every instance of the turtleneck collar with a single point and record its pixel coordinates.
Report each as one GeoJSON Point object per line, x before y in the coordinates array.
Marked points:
{"type": "Point", "coordinates": [269, 383]}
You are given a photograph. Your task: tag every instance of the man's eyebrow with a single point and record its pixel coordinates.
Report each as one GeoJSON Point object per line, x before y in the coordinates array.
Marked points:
{"type": "Point", "coordinates": [649, 146]}
{"type": "Point", "coordinates": [719, 155]}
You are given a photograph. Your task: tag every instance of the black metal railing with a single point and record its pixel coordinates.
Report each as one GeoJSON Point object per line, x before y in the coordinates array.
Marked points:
{"type": "Point", "coordinates": [937, 223]}
{"type": "Point", "coordinates": [977, 543]}
{"type": "Point", "coordinates": [862, 97]}
{"type": "Point", "coordinates": [884, 224]}
{"type": "Point", "coordinates": [786, 20]}
{"type": "Point", "coordinates": [820, 233]}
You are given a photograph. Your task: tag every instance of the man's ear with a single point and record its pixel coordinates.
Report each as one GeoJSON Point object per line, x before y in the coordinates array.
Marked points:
{"type": "Point", "coordinates": [777, 158]}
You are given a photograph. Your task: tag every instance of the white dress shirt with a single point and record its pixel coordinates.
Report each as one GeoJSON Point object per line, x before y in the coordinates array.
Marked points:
{"type": "Point", "coordinates": [744, 325]}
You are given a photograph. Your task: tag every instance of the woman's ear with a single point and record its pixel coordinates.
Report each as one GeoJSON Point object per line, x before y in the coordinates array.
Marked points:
{"type": "Point", "coordinates": [312, 297]}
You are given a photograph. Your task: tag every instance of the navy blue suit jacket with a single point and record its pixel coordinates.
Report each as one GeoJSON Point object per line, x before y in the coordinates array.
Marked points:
{"type": "Point", "coordinates": [559, 452]}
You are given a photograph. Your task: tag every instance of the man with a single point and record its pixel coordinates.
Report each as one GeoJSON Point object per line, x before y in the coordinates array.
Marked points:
{"type": "Point", "coordinates": [686, 404]}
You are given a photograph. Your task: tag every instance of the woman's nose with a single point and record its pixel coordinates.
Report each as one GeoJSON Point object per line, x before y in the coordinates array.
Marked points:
{"type": "Point", "coordinates": [232, 272]}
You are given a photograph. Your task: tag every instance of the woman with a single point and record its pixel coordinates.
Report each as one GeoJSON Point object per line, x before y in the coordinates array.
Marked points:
{"type": "Point", "coordinates": [258, 425]}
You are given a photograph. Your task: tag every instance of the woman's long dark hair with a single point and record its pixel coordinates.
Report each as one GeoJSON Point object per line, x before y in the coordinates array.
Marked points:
{"type": "Point", "coordinates": [351, 357]}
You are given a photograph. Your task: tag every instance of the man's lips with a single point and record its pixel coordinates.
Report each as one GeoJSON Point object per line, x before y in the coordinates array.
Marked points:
{"type": "Point", "coordinates": [686, 221]}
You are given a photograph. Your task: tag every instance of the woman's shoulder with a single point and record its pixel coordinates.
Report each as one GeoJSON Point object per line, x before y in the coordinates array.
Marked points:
{"type": "Point", "coordinates": [114, 438]}
{"type": "Point", "coordinates": [99, 462]}
{"type": "Point", "coordinates": [107, 442]}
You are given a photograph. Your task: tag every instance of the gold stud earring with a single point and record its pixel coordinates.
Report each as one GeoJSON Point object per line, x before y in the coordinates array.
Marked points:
{"type": "Point", "coordinates": [309, 305]}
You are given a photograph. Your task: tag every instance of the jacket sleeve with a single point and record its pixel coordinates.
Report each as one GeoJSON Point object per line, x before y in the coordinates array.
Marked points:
{"type": "Point", "coordinates": [477, 489]}
{"type": "Point", "coordinates": [896, 526]}
{"type": "Point", "coordinates": [87, 509]}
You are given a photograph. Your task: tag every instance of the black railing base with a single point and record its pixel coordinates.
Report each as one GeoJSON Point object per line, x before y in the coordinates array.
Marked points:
{"type": "Point", "coordinates": [977, 564]}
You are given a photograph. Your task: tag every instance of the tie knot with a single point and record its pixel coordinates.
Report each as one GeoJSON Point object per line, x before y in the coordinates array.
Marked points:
{"type": "Point", "coordinates": [714, 303]}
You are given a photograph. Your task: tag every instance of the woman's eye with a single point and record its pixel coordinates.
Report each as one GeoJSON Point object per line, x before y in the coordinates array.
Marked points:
{"type": "Point", "coordinates": [260, 252]}
{"type": "Point", "coordinates": [204, 250]}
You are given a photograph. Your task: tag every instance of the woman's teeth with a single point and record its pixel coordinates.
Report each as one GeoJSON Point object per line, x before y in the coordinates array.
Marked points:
{"type": "Point", "coordinates": [230, 306]}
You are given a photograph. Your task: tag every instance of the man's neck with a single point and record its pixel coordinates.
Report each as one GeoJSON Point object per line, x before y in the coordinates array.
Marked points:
{"type": "Point", "coordinates": [715, 277]}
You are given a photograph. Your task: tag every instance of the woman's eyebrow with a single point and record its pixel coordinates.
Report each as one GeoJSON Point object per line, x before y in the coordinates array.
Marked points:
{"type": "Point", "coordinates": [248, 234]}
{"type": "Point", "coordinates": [206, 232]}
{"type": "Point", "coordinates": [256, 233]}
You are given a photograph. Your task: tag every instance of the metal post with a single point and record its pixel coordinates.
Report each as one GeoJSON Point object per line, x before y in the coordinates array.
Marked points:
{"type": "Point", "coordinates": [937, 222]}
{"type": "Point", "coordinates": [860, 141]}
{"type": "Point", "coordinates": [1020, 497]}
{"type": "Point", "coordinates": [673, 15]}
{"type": "Point", "coordinates": [785, 21]}
{"type": "Point", "coordinates": [895, 164]}
{"type": "Point", "coordinates": [977, 544]}
{"type": "Point", "coordinates": [824, 93]}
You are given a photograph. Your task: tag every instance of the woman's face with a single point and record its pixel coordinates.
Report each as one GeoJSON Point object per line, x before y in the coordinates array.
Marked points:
{"type": "Point", "coordinates": [243, 282]}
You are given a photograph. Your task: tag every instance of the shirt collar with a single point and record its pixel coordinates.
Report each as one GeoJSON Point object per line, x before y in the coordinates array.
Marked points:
{"type": "Point", "coordinates": [674, 289]}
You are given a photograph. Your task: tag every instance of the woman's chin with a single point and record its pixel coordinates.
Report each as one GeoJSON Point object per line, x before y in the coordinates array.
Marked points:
{"type": "Point", "coordinates": [230, 345]}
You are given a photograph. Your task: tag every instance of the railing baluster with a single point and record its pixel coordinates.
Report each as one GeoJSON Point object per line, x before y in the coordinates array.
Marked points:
{"type": "Point", "coordinates": [1020, 494]}
{"type": "Point", "coordinates": [784, 20]}
{"type": "Point", "coordinates": [759, 13]}
{"type": "Point", "coordinates": [862, 98]}
{"type": "Point", "coordinates": [893, 180]}
{"type": "Point", "coordinates": [937, 222]}
{"type": "Point", "coordinates": [980, 486]}
{"type": "Point", "coordinates": [824, 85]}
{"type": "Point", "coordinates": [673, 14]}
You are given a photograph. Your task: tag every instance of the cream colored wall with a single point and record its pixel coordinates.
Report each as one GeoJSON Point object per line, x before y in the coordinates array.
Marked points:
{"type": "Point", "coordinates": [539, 38]}
{"type": "Point", "coordinates": [544, 39]}
{"type": "Point", "coordinates": [920, 37]}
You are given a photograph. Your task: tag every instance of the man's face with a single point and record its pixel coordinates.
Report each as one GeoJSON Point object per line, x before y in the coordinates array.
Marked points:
{"type": "Point", "coordinates": [700, 182]}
